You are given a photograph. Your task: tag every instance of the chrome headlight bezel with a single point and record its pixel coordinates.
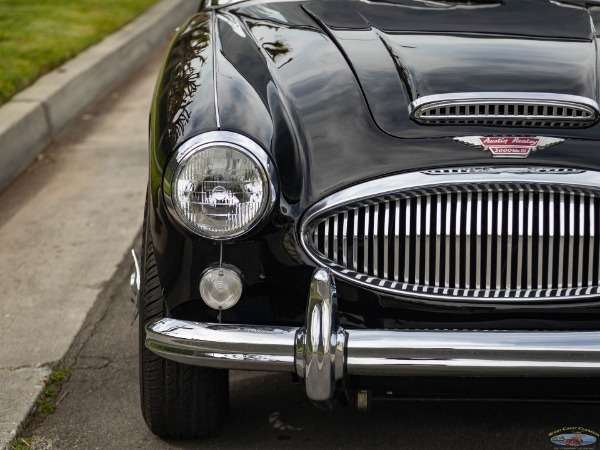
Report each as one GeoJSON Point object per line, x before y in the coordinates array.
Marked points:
{"type": "Point", "coordinates": [237, 142]}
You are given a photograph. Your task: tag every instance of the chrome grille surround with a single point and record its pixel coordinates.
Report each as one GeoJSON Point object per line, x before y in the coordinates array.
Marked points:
{"type": "Point", "coordinates": [505, 109]}
{"type": "Point", "coordinates": [546, 218]}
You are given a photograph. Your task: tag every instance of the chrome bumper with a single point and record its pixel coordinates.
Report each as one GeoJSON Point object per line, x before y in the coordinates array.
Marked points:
{"type": "Point", "coordinates": [321, 352]}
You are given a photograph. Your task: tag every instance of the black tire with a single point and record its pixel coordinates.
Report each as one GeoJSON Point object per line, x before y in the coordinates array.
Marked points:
{"type": "Point", "coordinates": [178, 400]}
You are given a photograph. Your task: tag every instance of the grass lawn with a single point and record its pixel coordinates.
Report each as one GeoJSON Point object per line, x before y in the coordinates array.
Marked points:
{"type": "Point", "coordinates": [37, 36]}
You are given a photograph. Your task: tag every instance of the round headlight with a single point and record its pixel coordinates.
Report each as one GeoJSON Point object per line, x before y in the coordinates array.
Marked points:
{"type": "Point", "coordinates": [220, 189]}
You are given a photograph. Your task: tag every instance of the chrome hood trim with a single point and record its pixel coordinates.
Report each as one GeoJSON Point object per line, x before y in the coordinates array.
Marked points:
{"type": "Point", "coordinates": [531, 109]}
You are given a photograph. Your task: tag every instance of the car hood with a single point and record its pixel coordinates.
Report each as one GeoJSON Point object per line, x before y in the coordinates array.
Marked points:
{"type": "Point", "coordinates": [326, 86]}
{"type": "Point", "coordinates": [403, 51]}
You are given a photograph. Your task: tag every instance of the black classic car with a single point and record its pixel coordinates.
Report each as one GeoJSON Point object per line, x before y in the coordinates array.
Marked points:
{"type": "Point", "coordinates": [357, 191]}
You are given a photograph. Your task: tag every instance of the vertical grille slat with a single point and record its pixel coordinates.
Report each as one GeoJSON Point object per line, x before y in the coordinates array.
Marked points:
{"type": "Point", "coordinates": [582, 239]}
{"type": "Point", "coordinates": [447, 238]}
{"type": "Point", "coordinates": [396, 239]}
{"type": "Point", "coordinates": [498, 240]}
{"type": "Point", "coordinates": [592, 216]}
{"type": "Point", "coordinates": [458, 249]}
{"type": "Point", "coordinates": [561, 238]}
{"type": "Point", "coordinates": [530, 237]}
{"type": "Point", "coordinates": [375, 235]}
{"type": "Point", "coordinates": [571, 267]}
{"type": "Point", "coordinates": [499, 247]}
{"type": "Point", "coordinates": [367, 233]}
{"type": "Point", "coordinates": [541, 234]}
{"type": "Point", "coordinates": [418, 224]}
{"type": "Point", "coordinates": [478, 263]}
{"type": "Point", "coordinates": [386, 238]}
{"type": "Point", "coordinates": [468, 238]}
{"type": "Point", "coordinates": [489, 229]}
{"type": "Point", "coordinates": [520, 238]}
{"type": "Point", "coordinates": [407, 248]}
{"type": "Point", "coordinates": [427, 239]}
{"type": "Point", "coordinates": [509, 247]}
{"type": "Point", "coordinates": [438, 250]}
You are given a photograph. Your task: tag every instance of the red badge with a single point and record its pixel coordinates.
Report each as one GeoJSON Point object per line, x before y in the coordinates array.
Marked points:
{"type": "Point", "coordinates": [509, 146]}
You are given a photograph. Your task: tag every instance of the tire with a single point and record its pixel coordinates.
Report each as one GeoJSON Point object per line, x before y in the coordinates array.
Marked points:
{"type": "Point", "coordinates": [178, 400]}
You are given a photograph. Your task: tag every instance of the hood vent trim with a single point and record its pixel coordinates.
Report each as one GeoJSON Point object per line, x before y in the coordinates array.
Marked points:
{"type": "Point", "coordinates": [507, 109]}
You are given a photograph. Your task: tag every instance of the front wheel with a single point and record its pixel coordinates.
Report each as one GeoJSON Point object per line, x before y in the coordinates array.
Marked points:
{"type": "Point", "coordinates": [178, 400]}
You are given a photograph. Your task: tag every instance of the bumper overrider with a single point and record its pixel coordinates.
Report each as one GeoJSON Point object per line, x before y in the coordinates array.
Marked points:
{"type": "Point", "coordinates": [321, 352]}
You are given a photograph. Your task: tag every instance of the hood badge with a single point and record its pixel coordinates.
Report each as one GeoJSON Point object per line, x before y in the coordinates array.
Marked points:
{"type": "Point", "coordinates": [509, 146]}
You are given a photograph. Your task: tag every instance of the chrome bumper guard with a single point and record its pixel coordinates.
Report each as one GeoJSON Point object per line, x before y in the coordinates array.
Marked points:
{"type": "Point", "coordinates": [321, 352]}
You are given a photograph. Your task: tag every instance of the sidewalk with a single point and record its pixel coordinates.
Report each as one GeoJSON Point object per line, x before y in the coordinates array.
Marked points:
{"type": "Point", "coordinates": [66, 223]}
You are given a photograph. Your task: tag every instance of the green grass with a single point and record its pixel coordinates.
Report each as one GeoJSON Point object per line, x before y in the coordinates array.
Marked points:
{"type": "Point", "coordinates": [37, 36]}
{"type": "Point", "coordinates": [45, 403]}
{"type": "Point", "coordinates": [20, 444]}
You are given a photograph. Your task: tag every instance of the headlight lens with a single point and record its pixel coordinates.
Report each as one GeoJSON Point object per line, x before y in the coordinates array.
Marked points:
{"type": "Point", "coordinates": [220, 189]}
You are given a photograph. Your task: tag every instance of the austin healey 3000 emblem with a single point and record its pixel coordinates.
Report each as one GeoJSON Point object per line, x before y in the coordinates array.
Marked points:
{"type": "Point", "coordinates": [509, 146]}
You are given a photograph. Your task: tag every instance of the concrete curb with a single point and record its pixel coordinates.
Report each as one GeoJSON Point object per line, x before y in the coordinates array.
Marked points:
{"type": "Point", "coordinates": [34, 117]}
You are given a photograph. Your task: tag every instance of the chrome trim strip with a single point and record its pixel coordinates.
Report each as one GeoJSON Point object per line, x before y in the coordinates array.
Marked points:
{"type": "Point", "coordinates": [214, 39]}
{"type": "Point", "coordinates": [546, 107]}
{"type": "Point", "coordinates": [545, 98]}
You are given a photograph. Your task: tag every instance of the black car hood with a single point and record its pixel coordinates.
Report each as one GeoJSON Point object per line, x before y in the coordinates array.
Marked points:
{"type": "Point", "coordinates": [403, 51]}
{"type": "Point", "coordinates": [326, 86]}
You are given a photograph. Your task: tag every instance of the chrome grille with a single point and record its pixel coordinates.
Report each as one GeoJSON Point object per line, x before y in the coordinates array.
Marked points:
{"type": "Point", "coordinates": [493, 240]}
{"type": "Point", "coordinates": [505, 109]}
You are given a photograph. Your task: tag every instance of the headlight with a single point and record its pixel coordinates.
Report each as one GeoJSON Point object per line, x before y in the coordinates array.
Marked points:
{"type": "Point", "coordinates": [220, 184]}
